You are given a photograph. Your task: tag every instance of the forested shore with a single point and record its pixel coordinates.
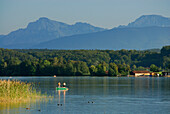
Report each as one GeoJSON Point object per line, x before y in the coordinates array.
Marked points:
{"type": "Point", "coordinates": [45, 62]}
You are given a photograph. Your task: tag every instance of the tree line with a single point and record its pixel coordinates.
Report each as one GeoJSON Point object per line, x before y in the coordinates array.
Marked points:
{"type": "Point", "coordinates": [44, 62]}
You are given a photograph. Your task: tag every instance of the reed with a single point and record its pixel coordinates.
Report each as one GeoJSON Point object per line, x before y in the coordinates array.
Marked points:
{"type": "Point", "coordinates": [17, 91]}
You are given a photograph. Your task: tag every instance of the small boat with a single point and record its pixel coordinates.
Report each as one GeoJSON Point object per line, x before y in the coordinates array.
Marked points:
{"type": "Point", "coordinates": [61, 88]}
{"type": "Point", "coordinates": [54, 76]}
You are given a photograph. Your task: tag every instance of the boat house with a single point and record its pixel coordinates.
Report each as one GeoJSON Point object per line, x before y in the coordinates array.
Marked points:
{"type": "Point", "coordinates": [166, 73]}
{"type": "Point", "coordinates": [140, 73]}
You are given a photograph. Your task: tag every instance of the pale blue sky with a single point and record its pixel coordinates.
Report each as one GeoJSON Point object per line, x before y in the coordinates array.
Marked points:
{"type": "Point", "coordinates": [15, 14]}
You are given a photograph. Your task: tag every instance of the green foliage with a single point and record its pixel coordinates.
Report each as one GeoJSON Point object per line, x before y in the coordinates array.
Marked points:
{"type": "Point", "coordinates": [134, 67]}
{"type": "Point", "coordinates": [140, 68]}
{"type": "Point", "coordinates": [154, 68]}
{"type": "Point", "coordinates": [79, 62]}
{"type": "Point", "coordinates": [16, 91]}
{"type": "Point", "coordinates": [101, 69]}
{"type": "Point", "coordinates": [92, 70]}
{"type": "Point", "coordinates": [168, 66]}
{"type": "Point", "coordinates": [113, 69]}
{"type": "Point", "coordinates": [165, 51]}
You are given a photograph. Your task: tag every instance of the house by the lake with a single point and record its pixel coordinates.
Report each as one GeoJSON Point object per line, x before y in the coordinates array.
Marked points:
{"type": "Point", "coordinates": [140, 73]}
{"type": "Point", "coordinates": [166, 74]}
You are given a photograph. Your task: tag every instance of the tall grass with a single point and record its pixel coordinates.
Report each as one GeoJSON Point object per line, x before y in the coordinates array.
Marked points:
{"type": "Point", "coordinates": [17, 91]}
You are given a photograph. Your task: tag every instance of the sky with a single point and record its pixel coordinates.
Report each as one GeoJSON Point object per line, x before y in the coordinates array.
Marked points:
{"type": "Point", "coordinates": [15, 14]}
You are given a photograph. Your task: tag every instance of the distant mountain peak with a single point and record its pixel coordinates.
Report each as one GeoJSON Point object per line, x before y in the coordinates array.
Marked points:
{"type": "Point", "coordinates": [43, 18]}
{"type": "Point", "coordinates": [81, 23]}
{"type": "Point", "coordinates": [153, 15]}
{"type": "Point", "coordinates": [47, 20]}
{"type": "Point", "coordinates": [43, 23]}
{"type": "Point", "coordinates": [150, 20]}
{"type": "Point", "coordinates": [45, 29]}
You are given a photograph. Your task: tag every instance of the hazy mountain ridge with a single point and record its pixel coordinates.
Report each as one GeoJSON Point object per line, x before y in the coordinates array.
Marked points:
{"type": "Point", "coordinates": [118, 38]}
{"type": "Point", "coordinates": [45, 29]}
{"type": "Point", "coordinates": [146, 32]}
{"type": "Point", "coordinates": [2, 36]}
{"type": "Point", "coordinates": [149, 20]}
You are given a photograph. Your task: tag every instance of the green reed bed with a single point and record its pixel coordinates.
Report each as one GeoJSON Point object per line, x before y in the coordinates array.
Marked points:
{"type": "Point", "coordinates": [17, 91]}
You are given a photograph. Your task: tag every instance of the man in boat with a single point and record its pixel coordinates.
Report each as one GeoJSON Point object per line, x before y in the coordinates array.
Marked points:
{"type": "Point", "coordinates": [59, 84]}
{"type": "Point", "coordinates": [64, 84]}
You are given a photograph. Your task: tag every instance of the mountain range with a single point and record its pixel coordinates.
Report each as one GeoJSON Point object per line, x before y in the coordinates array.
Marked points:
{"type": "Point", "coordinates": [117, 38]}
{"type": "Point", "coordinates": [148, 31]}
{"type": "Point", "coordinates": [150, 20]}
{"type": "Point", "coordinates": [43, 30]}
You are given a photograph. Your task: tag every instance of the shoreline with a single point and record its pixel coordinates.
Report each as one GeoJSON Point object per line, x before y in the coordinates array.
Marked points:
{"type": "Point", "coordinates": [82, 76]}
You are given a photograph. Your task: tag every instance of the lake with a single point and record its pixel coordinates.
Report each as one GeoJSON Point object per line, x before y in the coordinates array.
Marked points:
{"type": "Point", "coordinates": [98, 95]}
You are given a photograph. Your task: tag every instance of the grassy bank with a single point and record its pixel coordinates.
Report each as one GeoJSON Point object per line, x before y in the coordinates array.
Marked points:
{"type": "Point", "coordinates": [17, 91]}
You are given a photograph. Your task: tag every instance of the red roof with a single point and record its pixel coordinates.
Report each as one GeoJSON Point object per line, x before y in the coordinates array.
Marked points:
{"type": "Point", "coordinates": [141, 72]}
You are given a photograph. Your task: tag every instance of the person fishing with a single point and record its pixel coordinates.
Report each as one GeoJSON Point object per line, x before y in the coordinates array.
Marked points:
{"type": "Point", "coordinates": [59, 84]}
{"type": "Point", "coordinates": [64, 84]}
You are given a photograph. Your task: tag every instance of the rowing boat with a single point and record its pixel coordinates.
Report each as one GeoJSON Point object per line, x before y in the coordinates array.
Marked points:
{"type": "Point", "coordinates": [61, 88]}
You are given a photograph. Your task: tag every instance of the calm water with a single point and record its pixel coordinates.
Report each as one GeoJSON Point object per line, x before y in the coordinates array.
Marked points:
{"type": "Point", "coordinates": [99, 95]}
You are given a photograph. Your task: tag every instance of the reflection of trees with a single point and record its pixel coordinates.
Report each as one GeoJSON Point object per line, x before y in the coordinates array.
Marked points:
{"type": "Point", "coordinates": [139, 87]}
{"type": "Point", "coordinates": [6, 108]}
{"type": "Point", "coordinates": [105, 85]}
{"type": "Point", "coordinates": [150, 86]}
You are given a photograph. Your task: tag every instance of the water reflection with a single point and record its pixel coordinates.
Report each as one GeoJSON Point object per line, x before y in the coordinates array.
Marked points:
{"type": "Point", "coordinates": [110, 95]}
{"type": "Point", "coordinates": [9, 108]}
{"type": "Point", "coordinates": [61, 96]}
